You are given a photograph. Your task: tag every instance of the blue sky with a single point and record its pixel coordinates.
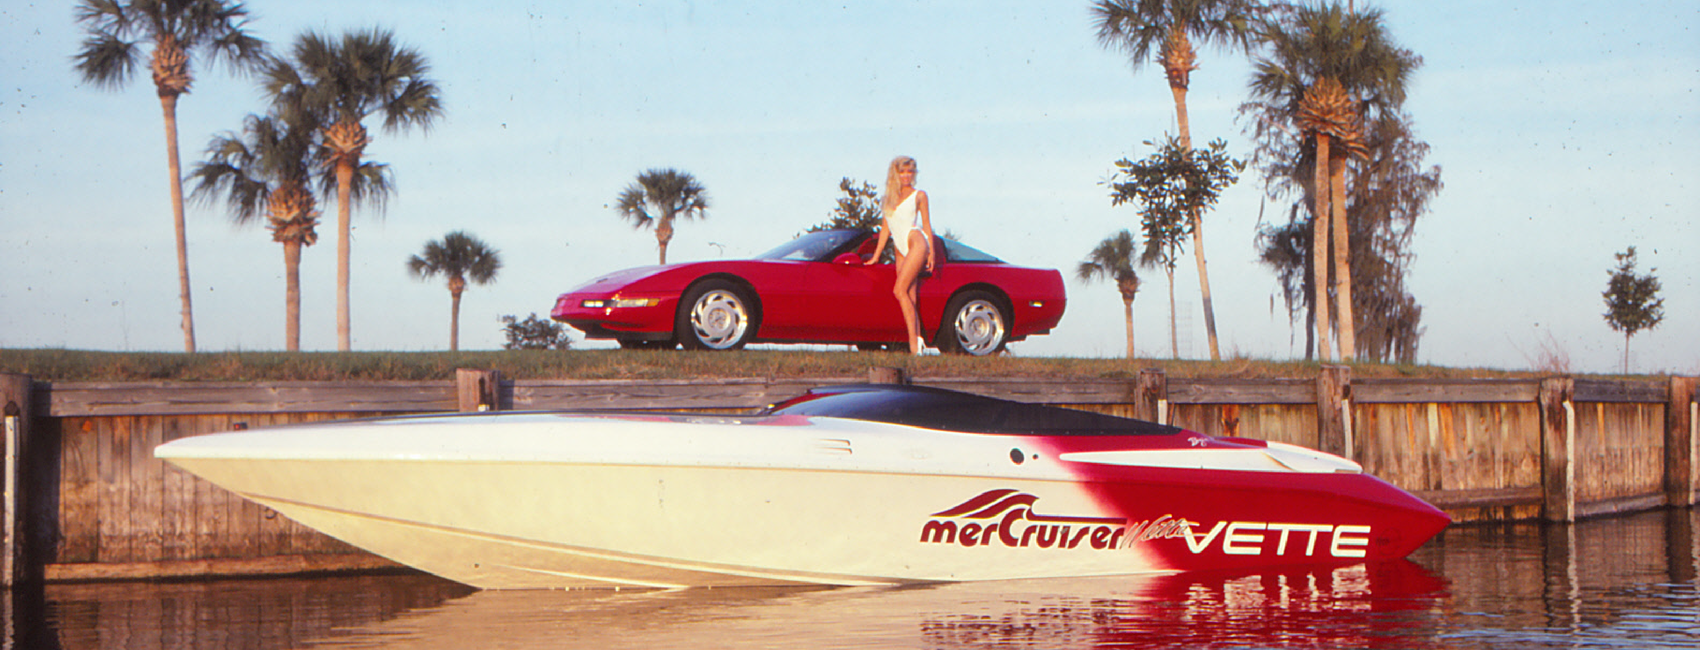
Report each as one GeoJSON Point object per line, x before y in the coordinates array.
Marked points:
{"type": "Point", "coordinates": [1566, 132]}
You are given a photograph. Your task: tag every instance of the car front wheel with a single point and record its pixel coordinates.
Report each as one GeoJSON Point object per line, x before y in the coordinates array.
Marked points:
{"type": "Point", "coordinates": [715, 315]}
{"type": "Point", "coordinates": [975, 323]}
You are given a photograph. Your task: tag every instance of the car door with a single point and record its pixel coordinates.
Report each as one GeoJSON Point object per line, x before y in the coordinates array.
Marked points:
{"type": "Point", "coordinates": [851, 302]}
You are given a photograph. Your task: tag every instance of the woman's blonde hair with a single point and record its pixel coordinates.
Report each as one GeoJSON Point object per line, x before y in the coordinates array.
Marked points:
{"type": "Point", "coordinates": [888, 201]}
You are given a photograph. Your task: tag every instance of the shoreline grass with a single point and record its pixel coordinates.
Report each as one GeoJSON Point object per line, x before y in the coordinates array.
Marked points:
{"type": "Point", "coordinates": [64, 365]}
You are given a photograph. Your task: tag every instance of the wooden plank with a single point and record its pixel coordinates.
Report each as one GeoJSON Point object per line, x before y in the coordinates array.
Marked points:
{"type": "Point", "coordinates": [1481, 498]}
{"type": "Point", "coordinates": [79, 492]}
{"type": "Point", "coordinates": [114, 450]}
{"type": "Point", "coordinates": [177, 503]}
{"type": "Point", "coordinates": [1241, 391]}
{"type": "Point", "coordinates": [210, 512]}
{"type": "Point", "coordinates": [279, 565]}
{"type": "Point", "coordinates": [146, 490]}
{"type": "Point", "coordinates": [612, 394]}
{"type": "Point", "coordinates": [1381, 391]}
{"type": "Point", "coordinates": [1618, 390]}
{"type": "Point", "coordinates": [160, 398]}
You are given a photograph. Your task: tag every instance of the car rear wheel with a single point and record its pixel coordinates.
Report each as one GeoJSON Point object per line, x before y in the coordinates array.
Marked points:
{"type": "Point", "coordinates": [715, 315]}
{"type": "Point", "coordinates": [975, 323]}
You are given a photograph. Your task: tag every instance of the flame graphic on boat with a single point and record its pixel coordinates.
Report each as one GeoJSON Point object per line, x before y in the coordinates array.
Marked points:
{"type": "Point", "coordinates": [993, 504]}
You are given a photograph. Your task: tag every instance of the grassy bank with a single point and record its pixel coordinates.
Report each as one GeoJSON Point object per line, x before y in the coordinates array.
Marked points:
{"type": "Point", "coordinates": [83, 365]}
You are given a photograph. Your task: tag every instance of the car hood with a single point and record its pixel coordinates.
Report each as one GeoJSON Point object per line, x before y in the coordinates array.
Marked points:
{"type": "Point", "coordinates": [624, 278]}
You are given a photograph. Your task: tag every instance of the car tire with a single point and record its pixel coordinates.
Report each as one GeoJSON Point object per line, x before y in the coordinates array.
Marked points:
{"type": "Point", "coordinates": [715, 315]}
{"type": "Point", "coordinates": [975, 323]}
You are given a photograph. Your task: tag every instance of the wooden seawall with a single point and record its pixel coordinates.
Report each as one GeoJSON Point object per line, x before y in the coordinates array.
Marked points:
{"type": "Point", "coordinates": [86, 500]}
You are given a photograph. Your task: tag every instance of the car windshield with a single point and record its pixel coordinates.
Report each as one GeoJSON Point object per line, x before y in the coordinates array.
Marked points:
{"type": "Point", "coordinates": [817, 246]}
{"type": "Point", "coordinates": [813, 246]}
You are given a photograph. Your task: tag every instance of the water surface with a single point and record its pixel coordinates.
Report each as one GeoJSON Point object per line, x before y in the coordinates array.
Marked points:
{"type": "Point", "coordinates": [1621, 582]}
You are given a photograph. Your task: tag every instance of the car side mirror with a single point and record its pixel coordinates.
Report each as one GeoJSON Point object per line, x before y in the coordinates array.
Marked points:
{"type": "Point", "coordinates": [847, 259]}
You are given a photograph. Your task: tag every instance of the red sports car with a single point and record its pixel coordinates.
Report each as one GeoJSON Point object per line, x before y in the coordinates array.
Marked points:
{"type": "Point", "coordinates": [815, 289]}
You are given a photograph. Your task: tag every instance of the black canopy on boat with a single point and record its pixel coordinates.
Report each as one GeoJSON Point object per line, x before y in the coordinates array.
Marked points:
{"type": "Point", "coordinates": [947, 410]}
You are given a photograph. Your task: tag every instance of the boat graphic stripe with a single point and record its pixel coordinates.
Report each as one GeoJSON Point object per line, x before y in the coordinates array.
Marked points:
{"type": "Point", "coordinates": [975, 503]}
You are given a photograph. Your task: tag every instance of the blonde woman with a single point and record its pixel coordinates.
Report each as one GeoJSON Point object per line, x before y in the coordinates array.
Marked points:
{"type": "Point", "coordinates": [907, 223]}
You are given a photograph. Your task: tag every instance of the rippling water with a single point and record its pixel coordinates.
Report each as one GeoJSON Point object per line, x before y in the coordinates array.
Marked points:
{"type": "Point", "coordinates": [1625, 582]}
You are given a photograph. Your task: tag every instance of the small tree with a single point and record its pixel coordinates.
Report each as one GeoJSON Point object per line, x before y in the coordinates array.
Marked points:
{"type": "Point", "coordinates": [1632, 301]}
{"type": "Point", "coordinates": [458, 257]}
{"type": "Point", "coordinates": [659, 196]}
{"type": "Point", "coordinates": [1113, 260]}
{"type": "Point", "coordinates": [858, 208]}
{"type": "Point", "coordinates": [1175, 186]}
{"type": "Point", "coordinates": [534, 333]}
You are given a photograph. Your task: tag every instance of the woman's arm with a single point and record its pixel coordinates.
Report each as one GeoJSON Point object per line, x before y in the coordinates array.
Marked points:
{"type": "Point", "coordinates": [927, 228]}
{"type": "Point", "coordinates": [885, 232]}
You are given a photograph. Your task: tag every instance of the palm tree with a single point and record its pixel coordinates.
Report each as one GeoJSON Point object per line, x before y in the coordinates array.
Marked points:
{"type": "Point", "coordinates": [1167, 28]}
{"type": "Point", "coordinates": [347, 80]}
{"type": "Point", "coordinates": [266, 170]}
{"type": "Point", "coordinates": [1328, 71]}
{"type": "Point", "coordinates": [1113, 260]}
{"type": "Point", "coordinates": [657, 197]}
{"type": "Point", "coordinates": [458, 257]}
{"type": "Point", "coordinates": [176, 29]}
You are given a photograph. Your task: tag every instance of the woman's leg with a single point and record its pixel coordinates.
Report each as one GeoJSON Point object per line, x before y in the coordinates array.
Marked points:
{"type": "Point", "coordinates": [908, 289]}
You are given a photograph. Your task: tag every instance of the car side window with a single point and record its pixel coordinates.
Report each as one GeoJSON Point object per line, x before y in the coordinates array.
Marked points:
{"type": "Point", "coordinates": [956, 251]}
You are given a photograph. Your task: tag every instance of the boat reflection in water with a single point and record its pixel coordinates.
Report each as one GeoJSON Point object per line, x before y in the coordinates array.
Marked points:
{"type": "Point", "coordinates": [1352, 606]}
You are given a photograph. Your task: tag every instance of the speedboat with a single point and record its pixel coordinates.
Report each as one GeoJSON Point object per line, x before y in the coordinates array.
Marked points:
{"type": "Point", "coordinates": [848, 485]}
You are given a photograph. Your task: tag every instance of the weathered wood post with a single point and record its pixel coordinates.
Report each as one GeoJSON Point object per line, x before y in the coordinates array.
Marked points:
{"type": "Point", "coordinates": [1558, 443]}
{"type": "Point", "coordinates": [477, 390]}
{"type": "Point", "coordinates": [887, 375]}
{"type": "Point", "coordinates": [1333, 410]}
{"type": "Point", "coordinates": [15, 402]}
{"type": "Point", "coordinates": [1151, 396]}
{"type": "Point", "coordinates": [1679, 443]}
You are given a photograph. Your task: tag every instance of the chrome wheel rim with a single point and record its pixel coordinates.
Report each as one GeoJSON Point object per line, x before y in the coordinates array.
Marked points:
{"type": "Point", "coordinates": [979, 328]}
{"type": "Point", "coordinates": [719, 319]}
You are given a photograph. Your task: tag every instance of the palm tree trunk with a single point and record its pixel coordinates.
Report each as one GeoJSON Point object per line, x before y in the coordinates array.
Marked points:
{"type": "Point", "coordinates": [1342, 259]}
{"type": "Point", "coordinates": [168, 103]}
{"type": "Point", "coordinates": [1319, 249]}
{"type": "Point", "coordinates": [1174, 341]}
{"type": "Point", "coordinates": [1204, 286]}
{"type": "Point", "coordinates": [663, 235]}
{"type": "Point", "coordinates": [1127, 307]}
{"type": "Point", "coordinates": [292, 294]}
{"type": "Point", "coordinates": [454, 321]}
{"type": "Point", "coordinates": [344, 193]}
{"type": "Point", "coordinates": [1183, 124]}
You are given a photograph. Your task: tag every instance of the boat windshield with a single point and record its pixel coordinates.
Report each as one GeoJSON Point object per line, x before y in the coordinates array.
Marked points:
{"type": "Point", "coordinates": [944, 410]}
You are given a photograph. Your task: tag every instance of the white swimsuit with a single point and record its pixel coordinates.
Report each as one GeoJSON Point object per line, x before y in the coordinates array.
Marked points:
{"type": "Point", "coordinates": [904, 219]}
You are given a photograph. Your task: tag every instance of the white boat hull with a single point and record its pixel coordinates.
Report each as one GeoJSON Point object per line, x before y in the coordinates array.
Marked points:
{"type": "Point", "coordinates": [516, 501]}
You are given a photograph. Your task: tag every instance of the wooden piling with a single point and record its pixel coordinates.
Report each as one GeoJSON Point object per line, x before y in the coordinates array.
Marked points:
{"type": "Point", "coordinates": [1333, 422]}
{"type": "Point", "coordinates": [887, 375]}
{"type": "Point", "coordinates": [476, 390]}
{"type": "Point", "coordinates": [1558, 446]}
{"type": "Point", "coordinates": [15, 401]}
{"type": "Point", "coordinates": [1151, 396]}
{"type": "Point", "coordinates": [1680, 448]}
